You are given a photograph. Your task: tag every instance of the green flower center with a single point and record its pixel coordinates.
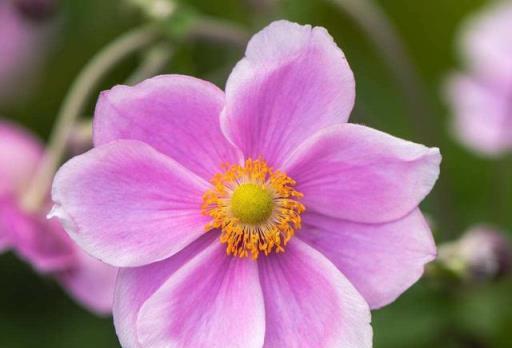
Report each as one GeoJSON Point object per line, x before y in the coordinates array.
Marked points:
{"type": "Point", "coordinates": [251, 203]}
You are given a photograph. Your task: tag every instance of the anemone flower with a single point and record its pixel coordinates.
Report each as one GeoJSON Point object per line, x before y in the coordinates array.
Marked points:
{"type": "Point", "coordinates": [40, 242]}
{"type": "Point", "coordinates": [255, 217]}
{"type": "Point", "coordinates": [481, 96]}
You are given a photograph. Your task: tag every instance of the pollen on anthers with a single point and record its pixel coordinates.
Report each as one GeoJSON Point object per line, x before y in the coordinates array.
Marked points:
{"type": "Point", "coordinates": [255, 207]}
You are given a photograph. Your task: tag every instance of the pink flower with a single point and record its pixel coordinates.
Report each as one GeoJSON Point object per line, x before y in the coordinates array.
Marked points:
{"type": "Point", "coordinates": [258, 217]}
{"type": "Point", "coordinates": [481, 97]}
{"type": "Point", "coordinates": [22, 40]}
{"type": "Point", "coordinates": [40, 242]}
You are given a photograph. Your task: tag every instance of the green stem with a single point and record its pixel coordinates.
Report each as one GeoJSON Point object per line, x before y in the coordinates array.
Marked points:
{"type": "Point", "coordinates": [153, 62]}
{"type": "Point", "coordinates": [212, 29]}
{"type": "Point", "coordinates": [75, 101]}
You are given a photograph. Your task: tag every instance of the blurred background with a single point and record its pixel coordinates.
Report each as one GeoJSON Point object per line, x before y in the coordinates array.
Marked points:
{"type": "Point", "coordinates": [35, 311]}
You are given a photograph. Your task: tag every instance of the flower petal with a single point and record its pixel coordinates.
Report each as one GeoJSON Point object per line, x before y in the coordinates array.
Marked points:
{"type": "Point", "coordinates": [381, 260]}
{"type": "Point", "coordinates": [45, 246]}
{"type": "Point", "coordinates": [359, 174]}
{"type": "Point", "coordinates": [177, 115]}
{"type": "Point", "coordinates": [293, 81]}
{"type": "Point", "coordinates": [213, 300]}
{"type": "Point", "coordinates": [91, 282]}
{"type": "Point", "coordinates": [482, 114]}
{"type": "Point", "coordinates": [20, 154]}
{"type": "Point", "coordinates": [486, 45]}
{"type": "Point", "coordinates": [136, 285]}
{"type": "Point", "coordinates": [22, 52]}
{"type": "Point", "coordinates": [309, 303]}
{"type": "Point", "coordinates": [127, 204]}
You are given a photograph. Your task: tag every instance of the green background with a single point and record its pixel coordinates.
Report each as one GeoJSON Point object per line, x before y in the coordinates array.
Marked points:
{"type": "Point", "coordinates": [35, 312]}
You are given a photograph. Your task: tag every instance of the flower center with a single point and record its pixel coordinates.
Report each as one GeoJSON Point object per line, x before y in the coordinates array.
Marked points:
{"type": "Point", "coordinates": [255, 207]}
{"type": "Point", "coordinates": [251, 203]}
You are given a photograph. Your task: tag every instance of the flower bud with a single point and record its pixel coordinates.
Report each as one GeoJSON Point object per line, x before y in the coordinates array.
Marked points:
{"type": "Point", "coordinates": [483, 253]}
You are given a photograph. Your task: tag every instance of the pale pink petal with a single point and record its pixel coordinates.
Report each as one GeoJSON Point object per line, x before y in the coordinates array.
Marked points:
{"type": "Point", "coordinates": [23, 45]}
{"type": "Point", "coordinates": [359, 174]}
{"type": "Point", "coordinates": [293, 81]}
{"type": "Point", "coordinates": [20, 153]}
{"type": "Point", "coordinates": [127, 204]}
{"type": "Point", "coordinates": [380, 260]}
{"type": "Point", "coordinates": [213, 300]}
{"type": "Point", "coordinates": [486, 42]}
{"type": "Point", "coordinates": [46, 247]}
{"type": "Point", "coordinates": [177, 115]}
{"type": "Point", "coordinates": [17, 39]}
{"type": "Point", "coordinates": [43, 245]}
{"type": "Point", "coordinates": [309, 303]}
{"type": "Point", "coordinates": [483, 114]}
{"type": "Point", "coordinates": [135, 285]}
{"type": "Point", "coordinates": [90, 282]}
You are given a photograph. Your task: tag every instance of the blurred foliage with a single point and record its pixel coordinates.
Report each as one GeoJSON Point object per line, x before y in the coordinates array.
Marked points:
{"type": "Point", "coordinates": [35, 312]}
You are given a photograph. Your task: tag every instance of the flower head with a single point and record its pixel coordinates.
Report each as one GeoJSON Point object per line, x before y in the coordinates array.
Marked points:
{"type": "Point", "coordinates": [255, 207]}
{"type": "Point", "coordinates": [481, 96]}
{"type": "Point", "coordinates": [255, 217]}
{"type": "Point", "coordinates": [40, 242]}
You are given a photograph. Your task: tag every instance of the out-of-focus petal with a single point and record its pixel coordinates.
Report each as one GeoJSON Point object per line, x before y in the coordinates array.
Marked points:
{"type": "Point", "coordinates": [380, 260]}
{"type": "Point", "coordinates": [91, 282]}
{"type": "Point", "coordinates": [483, 114]}
{"type": "Point", "coordinates": [127, 204]}
{"type": "Point", "coordinates": [20, 154]}
{"type": "Point", "coordinates": [41, 243]}
{"type": "Point", "coordinates": [293, 81]}
{"type": "Point", "coordinates": [309, 303]}
{"type": "Point", "coordinates": [23, 47]}
{"type": "Point", "coordinates": [177, 115]}
{"type": "Point", "coordinates": [45, 246]}
{"type": "Point", "coordinates": [486, 41]}
{"type": "Point", "coordinates": [359, 174]}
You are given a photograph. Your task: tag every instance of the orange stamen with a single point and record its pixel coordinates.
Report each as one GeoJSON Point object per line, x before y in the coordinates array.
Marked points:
{"type": "Point", "coordinates": [250, 238]}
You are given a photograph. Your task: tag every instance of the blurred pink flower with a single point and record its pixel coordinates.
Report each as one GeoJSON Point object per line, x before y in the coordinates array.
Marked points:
{"type": "Point", "coordinates": [309, 218]}
{"type": "Point", "coordinates": [481, 97]}
{"type": "Point", "coordinates": [23, 38]}
{"type": "Point", "coordinates": [40, 242]}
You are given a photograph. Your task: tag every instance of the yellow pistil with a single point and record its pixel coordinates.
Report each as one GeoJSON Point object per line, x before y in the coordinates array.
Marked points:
{"type": "Point", "coordinates": [255, 207]}
{"type": "Point", "coordinates": [251, 203]}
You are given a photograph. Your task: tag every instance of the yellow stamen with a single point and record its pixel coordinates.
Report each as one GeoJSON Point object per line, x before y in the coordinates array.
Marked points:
{"type": "Point", "coordinates": [255, 207]}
